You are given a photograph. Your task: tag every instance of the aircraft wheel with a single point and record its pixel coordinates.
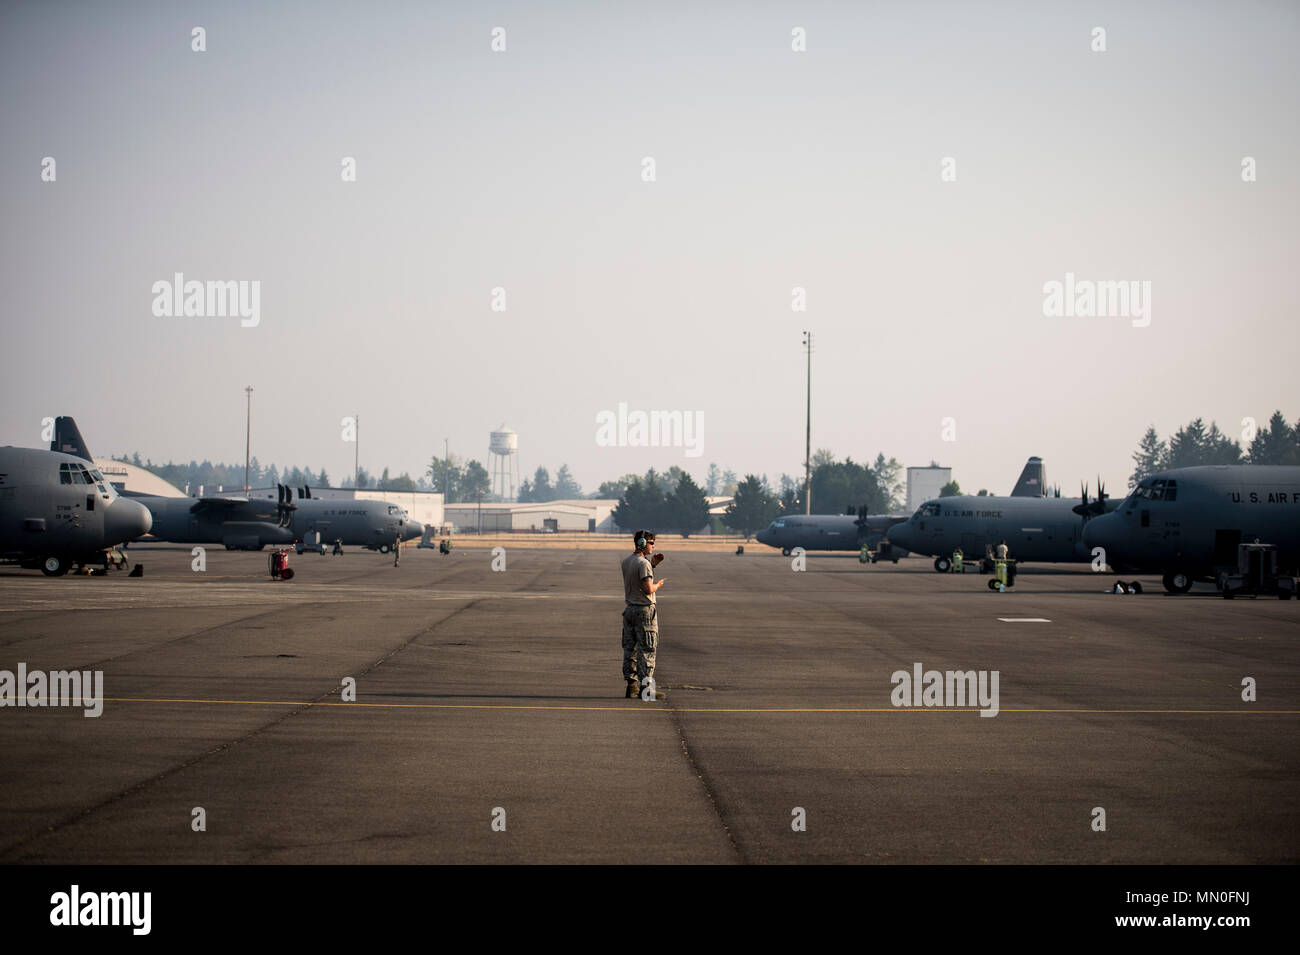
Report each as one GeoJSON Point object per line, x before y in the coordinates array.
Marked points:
{"type": "Point", "coordinates": [1177, 583]}
{"type": "Point", "coordinates": [993, 585]}
{"type": "Point", "coordinates": [53, 566]}
{"type": "Point", "coordinates": [942, 564]}
{"type": "Point", "coordinates": [384, 548]}
{"type": "Point", "coordinates": [785, 552]}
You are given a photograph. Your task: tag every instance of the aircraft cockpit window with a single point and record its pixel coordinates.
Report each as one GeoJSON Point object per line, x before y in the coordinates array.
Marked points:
{"type": "Point", "coordinates": [928, 510]}
{"type": "Point", "coordinates": [73, 474]}
{"type": "Point", "coordinates": [391, 510]}
{"type": "Point", "coordinates": [778, 524]}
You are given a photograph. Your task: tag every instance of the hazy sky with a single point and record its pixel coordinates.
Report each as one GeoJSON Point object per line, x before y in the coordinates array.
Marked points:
{"type": "Point", "coordinates": [774, 169]}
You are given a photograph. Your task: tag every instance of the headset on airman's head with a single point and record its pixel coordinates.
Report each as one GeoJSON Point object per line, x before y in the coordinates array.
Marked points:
{"type": "Point", "coordinates": [640, 543]}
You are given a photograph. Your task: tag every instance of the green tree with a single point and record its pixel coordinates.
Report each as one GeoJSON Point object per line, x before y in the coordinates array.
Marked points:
{"type": "Point", "coordinates": [403, 482]}
{"type": "Point", "coordinates": [475, 482]}
{"type": "Point", "coordinates": [324, 479]}
{"type": "Point", "coordinates": [611, 490]}
{"type": "Point", "coordinates": [566, 488]}
{"type": "Point", "coordinates": [1273, 442]}
{"type": "Point", "coordinates": [542, 489]}
{"type": "Point", "coordinates": [753, 508]}
{"type": "Point", "coordinates": [951, 489]}
{"type": "Point", "coordinates": [446, 477]}
{"type": "Point", "coordinates": [1187, 446]}
{"type": "Point", "coordinates": [712, 480]}
{"type": "Point", "coordinates": [841, 487]}
{"type": "Point", "coordinates": [644, 504]}
{"type": "Point", "coordinates": [688, 511]}
{"type": "Point", "coordinates": [1150, 457]}
{"type": "Point", "coordinates": [887, 474]}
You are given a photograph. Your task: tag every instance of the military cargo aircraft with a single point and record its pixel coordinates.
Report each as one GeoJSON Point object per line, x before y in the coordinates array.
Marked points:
{"type": "Point", "coordinates": [853, 532]}
{"type": "Point", "coordinates": [829, 532]}
{"type": "Point", "coordinates": [1186, 523]}
{"type": "Point", "coordinates": [57, 510]}
{"type": "Point", "coordinates": [1036, 529]}
{"type": "Point", "coordinates": [242, 523]}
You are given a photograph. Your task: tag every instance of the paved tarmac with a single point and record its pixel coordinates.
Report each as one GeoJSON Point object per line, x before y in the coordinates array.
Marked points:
{"type": "Point", "coordinates": [482, 694]}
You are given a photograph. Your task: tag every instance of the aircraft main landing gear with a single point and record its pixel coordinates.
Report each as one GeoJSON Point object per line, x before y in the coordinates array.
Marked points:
{"type": "Point", "coordinates": [53, 565]}
{"type": "Point", "coordinates": [943, 564]}
{"type": "Point", "coordinates": [1177, 583]}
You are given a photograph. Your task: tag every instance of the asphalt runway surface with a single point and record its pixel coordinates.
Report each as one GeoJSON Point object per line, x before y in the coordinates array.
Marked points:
{"type": "Point", "coordinates": [485, 696]}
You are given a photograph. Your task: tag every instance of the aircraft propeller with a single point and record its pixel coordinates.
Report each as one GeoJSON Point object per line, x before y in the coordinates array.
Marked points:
{"type": "Point", "coordinates": [285, 506]}
{"type": "Point", "coordinates": [1095, 508]}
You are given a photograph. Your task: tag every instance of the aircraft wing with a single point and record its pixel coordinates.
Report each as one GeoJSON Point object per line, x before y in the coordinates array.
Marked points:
{"type": "Point", "coordinates": [217, 503]}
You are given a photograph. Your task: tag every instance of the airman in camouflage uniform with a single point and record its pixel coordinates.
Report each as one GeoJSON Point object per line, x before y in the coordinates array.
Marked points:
{"type": "Point", "coordinates": [640, 616]}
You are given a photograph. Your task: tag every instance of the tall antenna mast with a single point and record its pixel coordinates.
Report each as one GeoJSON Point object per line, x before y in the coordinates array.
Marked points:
{"type": "Point", "coordinates": [248, 430]}
{"type": "Point", "coordinates": [807, 448]}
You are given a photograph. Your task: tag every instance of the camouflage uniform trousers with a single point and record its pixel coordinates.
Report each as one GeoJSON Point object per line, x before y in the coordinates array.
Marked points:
{"type": "Point", "coordinates": [640, 641]}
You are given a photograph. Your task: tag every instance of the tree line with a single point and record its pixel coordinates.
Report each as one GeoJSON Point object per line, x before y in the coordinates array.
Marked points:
{"type": "Point", "coordinates": [676, 503]}
{"type": "Point", "coordinates": [1195, 444]}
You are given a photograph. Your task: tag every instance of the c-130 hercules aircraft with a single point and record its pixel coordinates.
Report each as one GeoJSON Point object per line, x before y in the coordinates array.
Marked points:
{"type": "Point", "coordinates": [243, 523]}
{"type": "Point", "coordinates": [847, 532]}
{"type": "Point", "coordinates": [56, 510]}
{"type": "Point", "coordinates": [1187, 523]}
{"type": "Point", "coordinates": [1036, 528]}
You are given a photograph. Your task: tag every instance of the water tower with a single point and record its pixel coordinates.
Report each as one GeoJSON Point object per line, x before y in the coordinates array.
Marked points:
{"type": "Point", "coordinates": [503, 451]}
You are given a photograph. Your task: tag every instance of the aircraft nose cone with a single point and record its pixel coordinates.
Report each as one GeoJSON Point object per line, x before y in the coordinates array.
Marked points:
{"type": "Point", "coordinates": [900, 535]}
{"type": "Point", "coordinates": [763, 536]}
{"type": "Point", "coordinates": [1103, 532]}
{"type": "Point", "coordinates": [126, 520]}
{"type": "Point", "coordinates": [412, 530]}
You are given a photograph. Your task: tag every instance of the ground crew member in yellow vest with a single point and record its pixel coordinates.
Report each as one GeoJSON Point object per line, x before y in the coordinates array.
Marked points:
{"type": "Point", "coordinates": [956, 561]}
{"type": "Point", "coordinates": [641, 617]}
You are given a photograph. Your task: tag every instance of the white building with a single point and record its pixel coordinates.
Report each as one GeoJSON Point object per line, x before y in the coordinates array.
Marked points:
{"type": "Point", "coordinates": [578, 514]}
{"type": "Point", "coordinates": [924, 484]}
{"type": "Point", "coordinates": [128, 477]}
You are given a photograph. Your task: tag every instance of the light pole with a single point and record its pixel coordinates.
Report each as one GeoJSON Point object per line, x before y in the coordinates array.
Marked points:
{"type": "Point", "coordinates": [807, 448]}
{"type": "Point", "coordinates": [248, 431]}
{"type": "Point", "coordinates": [356, 456]}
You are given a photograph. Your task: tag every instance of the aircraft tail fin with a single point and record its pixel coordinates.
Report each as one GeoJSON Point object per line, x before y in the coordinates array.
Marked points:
{"type": "Point", "coordinates": [68, 439]}
{"type": "Point", "coordinates": [1033, 480]}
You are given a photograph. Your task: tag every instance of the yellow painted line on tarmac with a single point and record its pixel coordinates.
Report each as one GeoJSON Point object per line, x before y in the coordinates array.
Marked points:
{"type": "Point", "coordinates": [697, 709]}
